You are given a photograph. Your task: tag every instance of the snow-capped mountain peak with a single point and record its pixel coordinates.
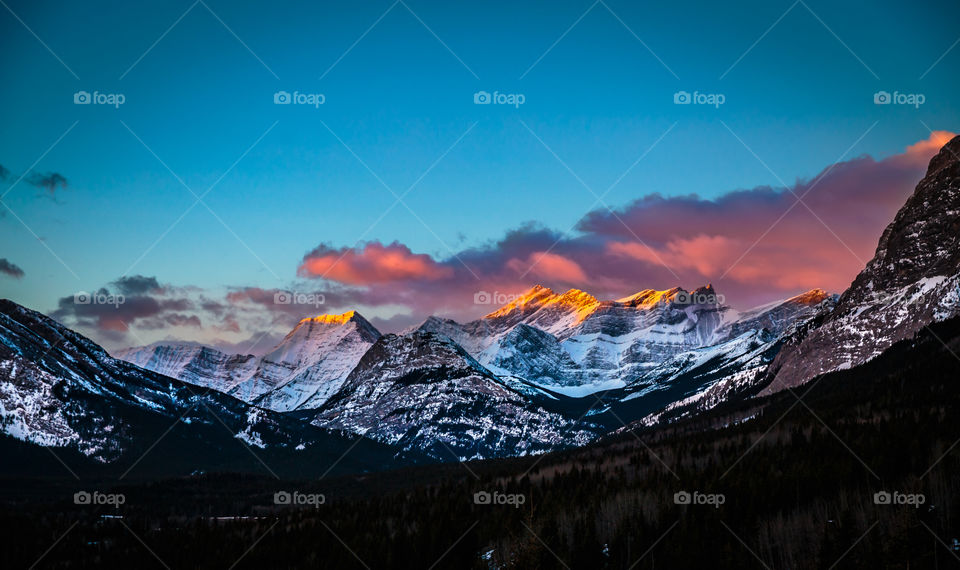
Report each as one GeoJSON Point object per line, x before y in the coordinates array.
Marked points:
{"type": "Point", "coordinates": [301, 372]}
{"type": "Point", "coordinates": [313, 337]}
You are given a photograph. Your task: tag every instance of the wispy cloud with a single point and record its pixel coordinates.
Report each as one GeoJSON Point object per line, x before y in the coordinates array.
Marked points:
{"type": "Point", "coordinates": [10, 269]}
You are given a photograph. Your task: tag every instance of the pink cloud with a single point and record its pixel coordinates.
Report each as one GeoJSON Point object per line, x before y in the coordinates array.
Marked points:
{"type": "Point", "coordinates": [761, 243]}
{"type": "Point", "coordinates": [549, 266]}
{"type": "Point", "coordinates": [754, 245]}
{"type": "Point", "coordinates": [374, 263]}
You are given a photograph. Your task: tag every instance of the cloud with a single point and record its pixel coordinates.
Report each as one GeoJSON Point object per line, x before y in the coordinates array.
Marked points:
{"type": "Point", "coordinates": [136, 284]}
{"type": "Point", "coordinates": [130, 304]}
{"type": "Point", "coordinates": [763, 238]}
{"type": "Point", "coordinates": [548, 266]}
{"type": "Point", "coordinates": [373, 263]}
{"type": "Point", "coordinates": [755, 245]}
{"type": "Point", "coordinates": [9, 269]}
{"type": "Point", "coordinates": [49, 181]}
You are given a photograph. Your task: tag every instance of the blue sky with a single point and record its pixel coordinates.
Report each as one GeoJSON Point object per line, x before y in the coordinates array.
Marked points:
{"type": "Point", "coordinates": [598, 81]}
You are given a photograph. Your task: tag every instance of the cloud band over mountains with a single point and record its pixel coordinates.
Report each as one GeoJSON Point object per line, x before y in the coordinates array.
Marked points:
{"type": "Point", "coordinates": [754, 245]}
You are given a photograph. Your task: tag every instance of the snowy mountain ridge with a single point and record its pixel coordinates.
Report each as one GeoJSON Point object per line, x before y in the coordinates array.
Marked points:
{"type": "Point", "coordinates": [302, 371]}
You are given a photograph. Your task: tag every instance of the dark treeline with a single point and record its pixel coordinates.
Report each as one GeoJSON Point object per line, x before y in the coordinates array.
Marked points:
{"type": "Point", "coordinates": [798, 481]}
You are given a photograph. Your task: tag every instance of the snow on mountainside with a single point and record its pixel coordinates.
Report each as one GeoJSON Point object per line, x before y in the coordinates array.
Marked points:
{"type": "Point", "coordinates": [576, 345]}
{"type": "Point", "coordinates": [711, 375]}
{"type": "Point", "coordinates": [912, 281]}
{"type": "Point", "coordinates": [422, 391]}
{"type": "Point", "coordinates": [58, 388]}
{"type": "Point", "coordinates": [193, 363]}
{"type": "Point", "coordinates": [306, 368]}
{"type": "Point", "coordinates": [479, 388]}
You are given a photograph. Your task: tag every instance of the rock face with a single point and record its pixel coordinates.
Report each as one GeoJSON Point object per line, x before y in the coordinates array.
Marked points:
{"type": "Point", "coordinates": [912, 281]}
{"type": "Point", "coordinates": [306, 368]}
{"type": "Point", "coordinates": [422, 391]}
{"type": "Point", "coordinates": [699, 379]}
{"type": "Point", "coordinates": [575, 344]}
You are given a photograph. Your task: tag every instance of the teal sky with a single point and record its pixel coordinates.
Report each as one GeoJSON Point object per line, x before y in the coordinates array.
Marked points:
{"type": "Point", "coordinates": [398, 80]}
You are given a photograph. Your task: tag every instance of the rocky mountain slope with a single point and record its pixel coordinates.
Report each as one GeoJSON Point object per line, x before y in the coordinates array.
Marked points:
{"type": "Point", "coordinates": [575, 345]}
{"type": "Point", "coordinates": [421, 391]}
{"type": "Point", "coordinates": [588, 345]}
{"type": "Point", "coordinates": [60, 390]}
{"type": "Point", "coordinates": [913, 280]}
{"type": "Point", "coordinates": [519, 380]}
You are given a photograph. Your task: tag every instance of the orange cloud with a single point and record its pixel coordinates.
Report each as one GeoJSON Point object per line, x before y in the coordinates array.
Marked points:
{"type": "Point", "coordinates": [374, 263]}
{"type": "Point", "coordinates": [549, 266]}
{"type": "Point", "coordinates": [708, 255]}
{"type": "Point", "coordinates": [927, 148]}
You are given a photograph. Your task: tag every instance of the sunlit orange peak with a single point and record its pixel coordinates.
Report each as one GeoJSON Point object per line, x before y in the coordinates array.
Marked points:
{"type": "Point", "coordinates": [650, 297]}
{"type": "Point", "coordinates": [811, 297]}
{"type": "Point", "coordinates": [537, 295]}
{"type": "Point", "coordinates": [331, 319]}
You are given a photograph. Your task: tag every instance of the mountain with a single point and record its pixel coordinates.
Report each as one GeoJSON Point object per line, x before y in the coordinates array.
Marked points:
{"type": "Point", "coordinates": [193, 363]}
{"type": "Point", "coordinates": [60, 390]}
{"type": "Point", "coordinates": [306, 368]}
{"type": "Point", "coordinates": [660, 346]}
{"type": "Point", "coordinates": [595, 345]}
{"type": "Point", "coordinates": [421, 391]}
{"type": "Point", "coordinates": [698, 380]}
{"type": "Point", "coordinates": [912, 281]}
{"type": "Point", "coordinates": [519, 380]}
